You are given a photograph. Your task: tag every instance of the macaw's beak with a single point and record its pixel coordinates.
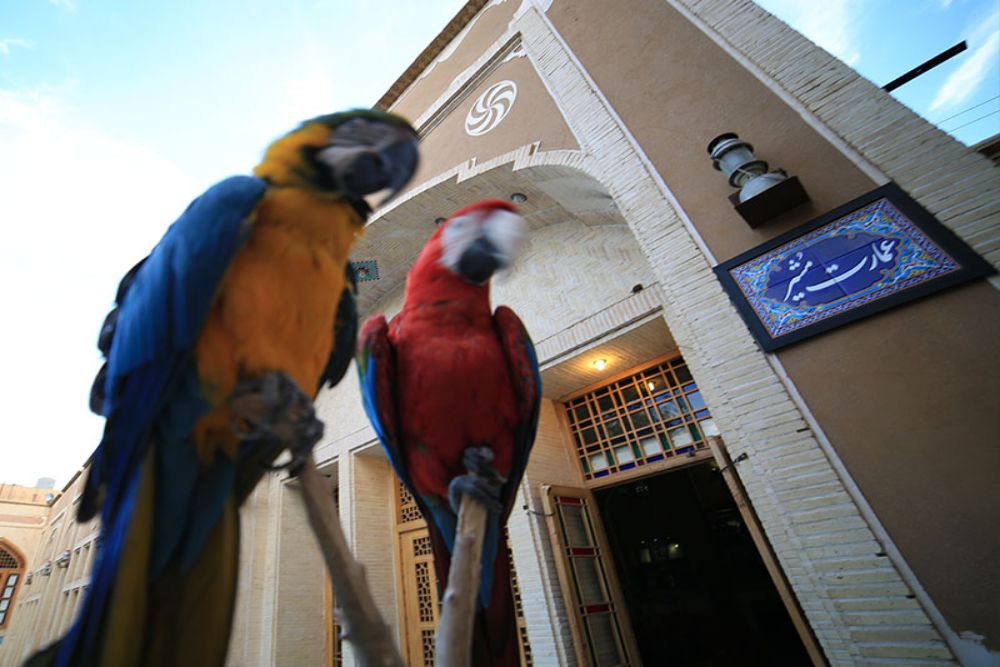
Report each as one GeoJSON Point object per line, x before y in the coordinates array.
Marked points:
{"type": "Point", "coordinates": [479, 261]}
{"type": "Point", "coordinates": [366, 156]}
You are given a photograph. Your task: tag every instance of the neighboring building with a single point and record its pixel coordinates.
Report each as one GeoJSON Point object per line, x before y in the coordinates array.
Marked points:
{"type": "Point", "coordinates": [24, 512]}
{"type": "Point", "coordinates": [57, 573]}
{"type": "Point", "coordinates": [691, 499]}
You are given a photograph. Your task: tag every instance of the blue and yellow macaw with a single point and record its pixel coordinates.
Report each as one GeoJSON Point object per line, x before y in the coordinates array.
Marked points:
{"type": "Point", "coordinates": [218, 342]}
{"type": "Point", "coordinates": [450, 386]}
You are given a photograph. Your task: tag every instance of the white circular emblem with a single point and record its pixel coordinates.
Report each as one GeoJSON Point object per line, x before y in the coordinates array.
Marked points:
{"type": "Point", "coordinates": [490, 108]}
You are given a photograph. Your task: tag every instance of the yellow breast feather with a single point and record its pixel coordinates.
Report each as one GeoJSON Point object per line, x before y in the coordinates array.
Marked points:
{"type": "Point", "coordinates": [276, 305]}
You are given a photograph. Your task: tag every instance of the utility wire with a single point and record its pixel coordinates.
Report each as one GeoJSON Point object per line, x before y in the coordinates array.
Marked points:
{"type": "Point", "coordinates": [974, 121]}
{"type": "Point", "coordinates": [945, 120]}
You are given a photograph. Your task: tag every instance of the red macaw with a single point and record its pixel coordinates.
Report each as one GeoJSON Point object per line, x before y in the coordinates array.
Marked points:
{"type": "Point", "coordinates": [451, 387]}
{"type": "Point", "coordinates": [248, 297]}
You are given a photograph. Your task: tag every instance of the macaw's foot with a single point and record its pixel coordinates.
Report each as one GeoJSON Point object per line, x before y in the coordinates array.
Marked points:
{"type": "Point", "coordinates": [482, 483]}
{"type": "Point", "coordinates": [271, 409]}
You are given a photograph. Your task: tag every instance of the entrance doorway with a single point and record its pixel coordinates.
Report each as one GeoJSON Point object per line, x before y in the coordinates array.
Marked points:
{"type": "Point", "coordinates": [697, 592]}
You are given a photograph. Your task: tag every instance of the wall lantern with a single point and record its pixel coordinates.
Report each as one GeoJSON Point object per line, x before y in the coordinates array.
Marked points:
{"type": "Point", "coordinates": [28, 578]}
{"type": "Point", "coordinates": [46, 569]}
{"type": "Point", "coordinates": [763, 194]}
{"type": "Point", "coordinates": [63, 560]}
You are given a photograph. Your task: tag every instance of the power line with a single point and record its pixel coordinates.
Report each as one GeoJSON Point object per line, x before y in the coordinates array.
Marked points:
{"type": "Point", "coordinates": [945, 120]}
{"type": "Point", "coordinates": [974, 121]}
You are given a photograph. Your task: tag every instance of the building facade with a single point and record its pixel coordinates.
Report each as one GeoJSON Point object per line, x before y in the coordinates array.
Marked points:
{"type": "Point", "coordinates": [691, 498]}
{"type": "Point", "coordinates": [24, 512]}
{"type": "Point", "coordinates": [56, 557]}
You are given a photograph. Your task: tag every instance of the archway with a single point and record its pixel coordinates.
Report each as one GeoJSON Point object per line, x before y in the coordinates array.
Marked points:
{"type": "Point", "coordinates": [12, 564]}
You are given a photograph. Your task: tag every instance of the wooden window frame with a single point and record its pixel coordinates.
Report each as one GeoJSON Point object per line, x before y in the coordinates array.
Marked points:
{"type": "Point", "coordinates": [626, 642]}
{"type": "Point", "coordinates": [696, 452]}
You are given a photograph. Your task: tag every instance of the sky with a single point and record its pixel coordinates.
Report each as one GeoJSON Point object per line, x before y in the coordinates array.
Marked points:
{"type": "Point", "coordinates": [115, 114]}
{"type": "Point", "coordinates": [883, 39]}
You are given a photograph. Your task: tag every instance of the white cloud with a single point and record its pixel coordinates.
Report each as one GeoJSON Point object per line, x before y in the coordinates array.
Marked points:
{"type": "Point", "coordinates": [306, 94]}
{"type": "Point", "coordinates": [7, 43]}
{"type": "Point", "coordinates": [68, 5]}
{"type": "Point", "coordinates": [79, 208]}
{"type": "Point", "coordinates": [945, 3]}
{"type": "Point", "coordinates": [963, 82]}
{"type": "Point", "coordinates": [831, 24]}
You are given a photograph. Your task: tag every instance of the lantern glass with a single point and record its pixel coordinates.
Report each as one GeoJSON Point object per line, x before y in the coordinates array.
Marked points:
{"type": "Point", "coordinates": [734, 158]}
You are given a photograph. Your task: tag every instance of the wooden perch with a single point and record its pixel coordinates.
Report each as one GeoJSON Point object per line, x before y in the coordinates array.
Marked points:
{"type": "Point", "coordinates": [458, 612]}
{"type": "Point", "coordinates": [360, 619]}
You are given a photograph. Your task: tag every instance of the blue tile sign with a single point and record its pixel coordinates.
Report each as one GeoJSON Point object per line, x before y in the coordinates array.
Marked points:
{"type": "Point", "coordinates": [872, 253]}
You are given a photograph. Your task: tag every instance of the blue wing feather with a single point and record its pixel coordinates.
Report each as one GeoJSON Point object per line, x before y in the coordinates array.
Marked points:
{"type": "Point", "coordinates": [527, 382]}
{"type": "Point", "coordinates": [376, 372]}
{"type": "Point", "coordinates": [150, 388]}
{"type": "Point", "coordinates": [523, 364]}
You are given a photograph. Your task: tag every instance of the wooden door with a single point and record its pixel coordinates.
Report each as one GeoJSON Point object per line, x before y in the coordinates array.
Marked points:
{"type": "Point", "coordinates": [599, 620]}
{"type": "Point", "coordinates": [767, 554]}
{"type": "Point", "coordinates": [419, 607]}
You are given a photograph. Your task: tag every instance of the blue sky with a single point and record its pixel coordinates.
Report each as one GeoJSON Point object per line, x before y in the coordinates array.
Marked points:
{"type": "Point", "coordinates": [883, 39]}
{"type": "Point", "coordinates": [114, 114]}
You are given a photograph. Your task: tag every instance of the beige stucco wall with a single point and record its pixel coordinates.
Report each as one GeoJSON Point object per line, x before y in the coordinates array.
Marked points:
{"type": "Point", "coordinates": [676, 91]}
{"type": "Point", "coordinates": [485, 28]}
{"type": "Point", "coordinates": [533, 117]}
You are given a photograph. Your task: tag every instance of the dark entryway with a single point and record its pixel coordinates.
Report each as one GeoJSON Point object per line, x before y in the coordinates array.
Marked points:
{"type": "Point", "coordinates": [696, 589]}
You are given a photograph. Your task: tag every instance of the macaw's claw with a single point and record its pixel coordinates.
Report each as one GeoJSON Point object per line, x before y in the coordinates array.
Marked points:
{"type": "Point", "coordinates": [483, 490]}
{"type": "Point", "coordinates": [479, 461]}
{"type": "Point", "coordinates": [272, 409]}
{"type": "Point", "coordinates": [482, 483]}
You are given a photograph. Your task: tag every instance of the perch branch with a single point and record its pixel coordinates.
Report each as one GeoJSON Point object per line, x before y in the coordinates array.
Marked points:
{"type": "Point", "coordinates": [458, 612]}
{"type": "Point", "coordinates": [361, 622]}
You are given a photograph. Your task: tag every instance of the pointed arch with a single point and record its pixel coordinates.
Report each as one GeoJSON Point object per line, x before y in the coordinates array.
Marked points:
{"type": "Point", "coordinates": [9, 553]}
{"type": "Point", "coordinates": [12, 564]}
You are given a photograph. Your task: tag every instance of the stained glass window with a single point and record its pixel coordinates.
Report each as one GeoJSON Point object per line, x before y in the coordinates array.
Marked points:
{"type": "Point", "coordinates": [649, 417]}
